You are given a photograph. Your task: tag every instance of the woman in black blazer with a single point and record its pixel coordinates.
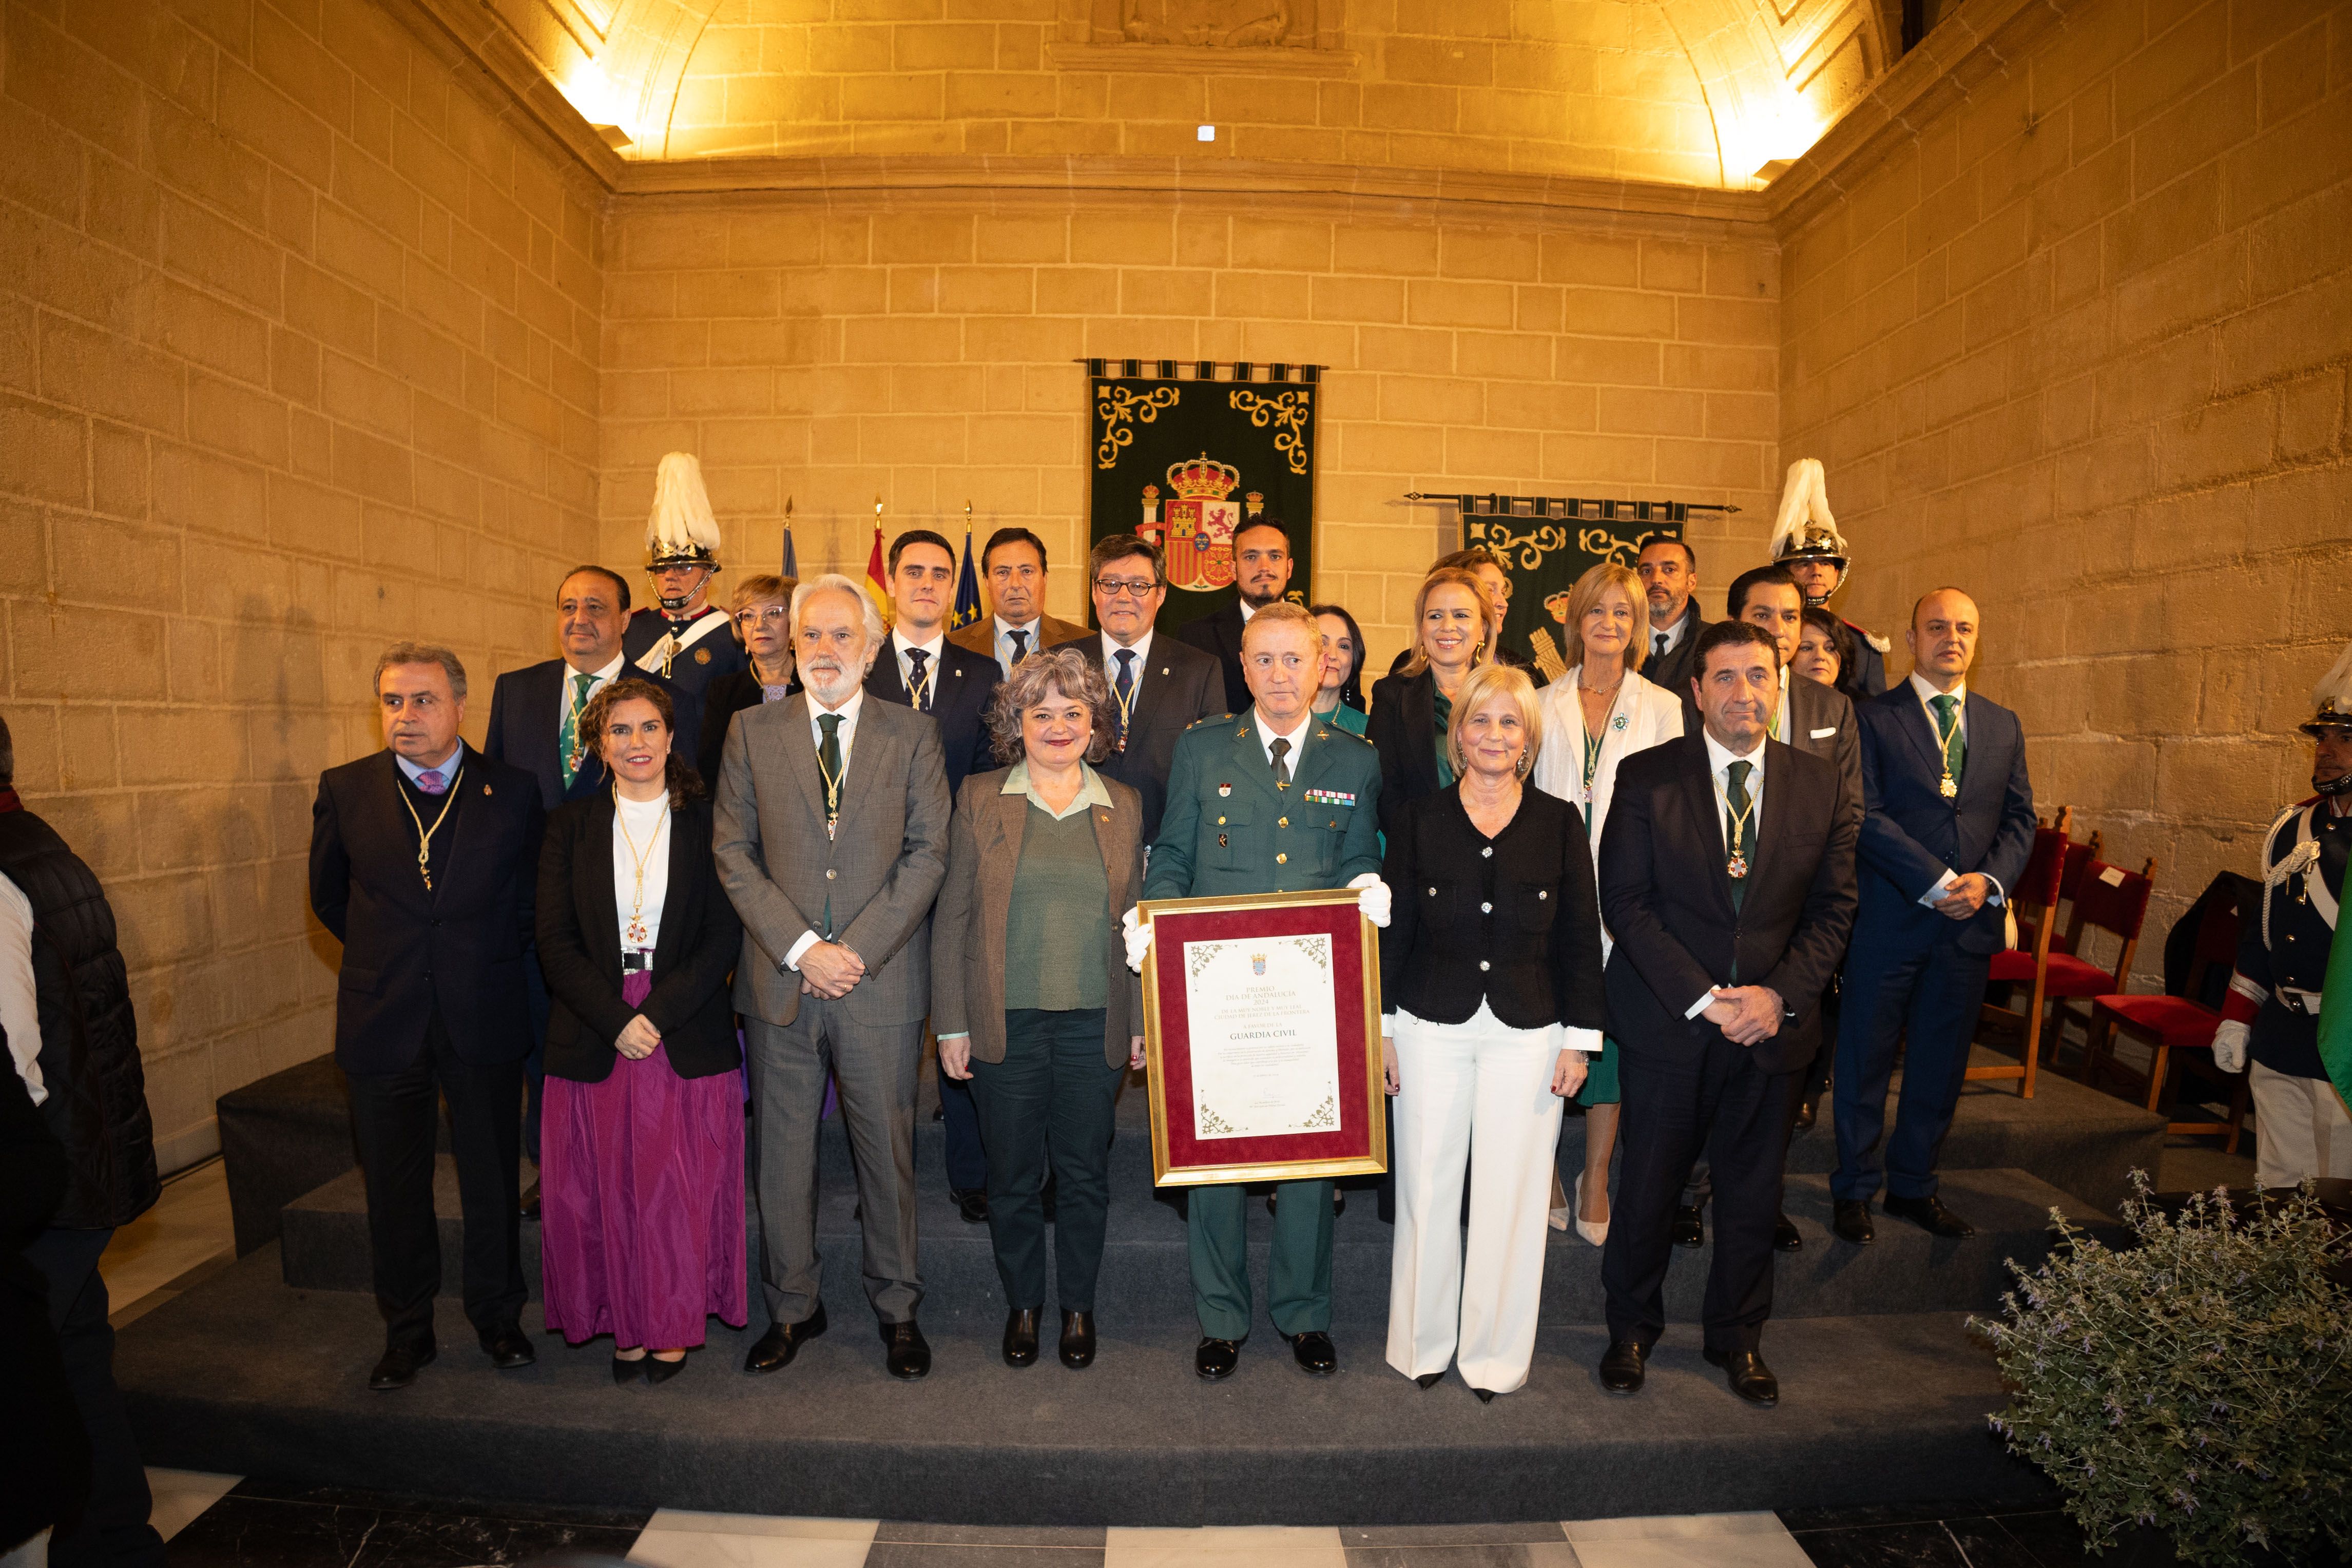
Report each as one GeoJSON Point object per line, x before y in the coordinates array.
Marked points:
{"type": "Point", "coordinates": [1490, 977]}
{"type": "Point", "coordinates": [641, 1176]}
{"type": "Point", "coordinates": [1413, 709]}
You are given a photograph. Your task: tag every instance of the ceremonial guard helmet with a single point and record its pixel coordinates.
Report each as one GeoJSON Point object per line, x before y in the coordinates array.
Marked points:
{"type": "Point", "coordinates": [2331, 700]}
{"type": "Point", "coordinates": [1805, 529]}
{"type": "Point", "coordinates": [681, 531]}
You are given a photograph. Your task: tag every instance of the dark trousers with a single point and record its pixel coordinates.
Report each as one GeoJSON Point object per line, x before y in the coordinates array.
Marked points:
{"type": "Point", "coordinates": [113, 1529]}
{"type": "Point", "coordinates": [1720, 1103]}
{"type": "Point", "coordinates": [1927, 997]}
{"type": "Point", "coordinates": [534, 1066]}
{"type": "Point", "coordinates": [1052, 1092]}
{"type": "Point", "coordinates": [967, 1157]}
{"type": "Point", "coordinates": [393, 1117]}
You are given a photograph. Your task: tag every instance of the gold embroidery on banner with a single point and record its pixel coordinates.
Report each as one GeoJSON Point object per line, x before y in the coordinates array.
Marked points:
{"type": "Point", "coordinates": [1119, 409]}
{"type": "Point", "coordinates": [1288, 413]}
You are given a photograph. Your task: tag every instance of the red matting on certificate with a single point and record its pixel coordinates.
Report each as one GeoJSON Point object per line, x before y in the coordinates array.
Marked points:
{"type": "Point", "coordinates": [1360, 1143]}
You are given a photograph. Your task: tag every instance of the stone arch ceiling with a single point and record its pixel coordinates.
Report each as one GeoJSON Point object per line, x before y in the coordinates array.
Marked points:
{"type": "Point", "coordinates": [1701, 93]}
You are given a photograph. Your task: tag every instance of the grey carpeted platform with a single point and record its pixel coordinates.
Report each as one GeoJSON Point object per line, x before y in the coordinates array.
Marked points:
{"type": "Point", "coordinates": [244, 1374]}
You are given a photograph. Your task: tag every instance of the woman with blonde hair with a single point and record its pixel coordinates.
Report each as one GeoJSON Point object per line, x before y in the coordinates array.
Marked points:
{"type": "Point", "coordinates": [1598, 714]}
{"type": "Point", "coordinates": [1490, 981]}
{"type": "Point", "coordinates": [1453, 622]}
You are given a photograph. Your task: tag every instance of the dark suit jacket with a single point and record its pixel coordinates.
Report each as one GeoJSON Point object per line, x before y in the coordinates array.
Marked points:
{"type": "Point", "coordinates": [407, 952]}
{"type": "Point", "coordinates": [1812, 709]}
{"type": "Point", "coordinates": [1181, 687]}
{"type": "Point", "coordinates": [968, 956]}
{"type": "Point", "coordinates": [1911, 834]}
{"type": "Point", "coordinates": [1675, 671]}
{"type": "Point", "coordinates": [1219, 635]}
{"type": "Point", "coordinates": [1667, 899]}
{"type": "Point", "coordinates": [961, 690]}
{"type": "Point", "coordinates": [726, 697]}
{"type": "Point", "coordinates": [1518, 928]}
{"type": "Point", "coordinates": [1402, 728]}
{"type": "Point", "coordinates": [526, 716]}
{"type": "Point", "coordinates": [580, 948]}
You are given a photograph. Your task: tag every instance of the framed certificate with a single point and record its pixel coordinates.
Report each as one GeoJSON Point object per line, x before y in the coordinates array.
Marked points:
{"type": "Point", "coordinates": [1263, 1015]}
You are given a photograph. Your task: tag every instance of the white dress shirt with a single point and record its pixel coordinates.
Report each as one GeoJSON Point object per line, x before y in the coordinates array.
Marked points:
{"type": "Point", "coordinates": [899, 646]}
{"type": "Point", "coordinates": [1267, 734]}
{"type": "Point", "coordinates": [573, 703]}
{"type": "Point", "coordinates": [1924, 691]}
{"type": "Point", "coordinates": [1003, 644]}
{"type": "Point", "coordinates": [1719, 759]}
{"type": "Point", "coordinates": [1673, 635]}
{"type": "Point", "coordinates": [645, 825]}
{"type": "Point", "coordinates": [845, 738]}
{"type": "Point", "coordinates": [1142, 648]}
{"type": "Point", "coordinates": [447, 766]}
{"type": "Point", "coordinates": [20, 1006]}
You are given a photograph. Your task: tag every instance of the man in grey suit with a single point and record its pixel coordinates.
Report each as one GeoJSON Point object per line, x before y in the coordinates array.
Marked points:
{"type": "Point", "coordinates": [832, 841]}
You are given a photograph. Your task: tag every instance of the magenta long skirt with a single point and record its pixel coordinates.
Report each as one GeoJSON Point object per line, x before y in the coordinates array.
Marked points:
{"type": "Point", "coordinates": [641, 1205]}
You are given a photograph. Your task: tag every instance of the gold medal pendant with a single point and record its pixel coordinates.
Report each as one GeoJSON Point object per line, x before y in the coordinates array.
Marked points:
{"type": "Point", "coordinates": [1737, 866]}
{"type": "Point", "coordinates": [636, 933]}
{"type": "Point", "coordinates": [1949, 787]}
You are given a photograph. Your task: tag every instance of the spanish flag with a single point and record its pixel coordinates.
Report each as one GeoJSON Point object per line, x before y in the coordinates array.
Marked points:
{"type": "Point", "coordinates": [877, 586]}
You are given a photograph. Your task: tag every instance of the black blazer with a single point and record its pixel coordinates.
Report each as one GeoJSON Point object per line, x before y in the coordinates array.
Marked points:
{"type": "Point", "coordinates": [1181, 686]}
{"type": "Point", "coordinates": [961, 690]}
{"type": "Point", "coordinates": [1402, 726]}
{"type": "Point", "coordinates": [580, 948]}
{"type": "Point", "coordinates": [1666, 896]}
{"type": "Point", "coordinates": [406, 952]}
{"type": "Point", "coordinates": [1681, 664]}
{"type": "Point", "coordinates": [1512, 921]}
{"type": "Point", "coordinates": [726, 697]}
{"type": "Point", "coordinates": [1220, 637]}
{"type": "Point", "coordinates": [526, 713]}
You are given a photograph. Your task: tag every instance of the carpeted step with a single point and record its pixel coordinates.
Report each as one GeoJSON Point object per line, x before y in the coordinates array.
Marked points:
{"type": "Point", "coordinates": [246, 1376]}
{"type": "Point", "coordinates": [1147, 1279]}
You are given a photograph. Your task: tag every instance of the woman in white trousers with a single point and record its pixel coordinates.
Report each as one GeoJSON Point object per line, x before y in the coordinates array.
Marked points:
{"type": "Point", "coordinates": [1491, 976]}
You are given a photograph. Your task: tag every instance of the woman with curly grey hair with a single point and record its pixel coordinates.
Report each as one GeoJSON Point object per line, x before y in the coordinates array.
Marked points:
{"type": "Point", "coordinates": [1030, 990]}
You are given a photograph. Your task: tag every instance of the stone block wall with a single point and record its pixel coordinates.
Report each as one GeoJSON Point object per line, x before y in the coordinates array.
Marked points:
{"type": "Point", "coordinates": [2078, 342]}
{"type": "Point", "coordinates": [828, 351]}
{"type": "Point", "coordinates": [298, 357]}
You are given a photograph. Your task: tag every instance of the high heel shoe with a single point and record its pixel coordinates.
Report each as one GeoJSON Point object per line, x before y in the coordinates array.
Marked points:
{"type": "Point", "coordinates": [624, 1369]}
{"type": "Point", "coordinates": [1596, 1234]}
{"type": "Point", "coordinates": [1428, 1380]}
{"type": "Point", "coordinates": [1557, 1211]}
{"type": "Point", "coordinates": [658, 1372]}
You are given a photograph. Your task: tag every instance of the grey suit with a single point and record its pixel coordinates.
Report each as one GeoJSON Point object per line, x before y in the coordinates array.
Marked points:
{"type": "Point", "coordinates": [878, 873]}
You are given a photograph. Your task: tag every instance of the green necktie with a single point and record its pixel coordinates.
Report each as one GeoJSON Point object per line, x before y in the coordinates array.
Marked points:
{"type": "Point", "coordinates": [1947, 730]}
{"type": "Point", "coordinates": [568, 743]}
{"type": "Point", "coordinates": [1737, 832]}
{"type": "Point", "coordinates": [828, 762]}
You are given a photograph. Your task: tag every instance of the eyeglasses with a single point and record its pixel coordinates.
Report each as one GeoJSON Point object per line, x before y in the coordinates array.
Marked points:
{"type": "Point", "coordinates": [761, 615]}
{"type": "Point", "coordinates": [1133, 587]}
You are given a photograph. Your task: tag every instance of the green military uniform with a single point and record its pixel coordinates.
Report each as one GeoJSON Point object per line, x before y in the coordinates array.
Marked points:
{"type": "Point", "coordinates": [1229, 829]}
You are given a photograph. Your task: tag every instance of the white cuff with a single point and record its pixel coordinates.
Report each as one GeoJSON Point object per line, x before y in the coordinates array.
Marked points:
{"type": "Point", "coordinates": [1587, 1040]}
{"type": "Point", "coordinates": [959, 1034]}
{"type": "Point", "coordinates": [1927, 899]}
{"type": "Point", "coordinates": [1705, 1001]}
{"type": "Point", "coordinates": [792, 958]}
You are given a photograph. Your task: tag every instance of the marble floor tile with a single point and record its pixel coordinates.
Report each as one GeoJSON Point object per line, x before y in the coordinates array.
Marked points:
{"type": "Point", "coordinates": [1485, 1554]}
{"type": "Point", "coordinates": [899, 1545]}
{"type": "Point", "coordinates": [266, 1532]}
{"type": "Point", "coordinates": [1685, 1540]}
{"type": "Point", "coordinates": [1922, 1546]}
{"type": "Point", "coordinates": [1225, 1546]}
{"type": "Point", "coordinates": [181, 1495]}
{"type": "Point", "coordinates": [678, 1538]}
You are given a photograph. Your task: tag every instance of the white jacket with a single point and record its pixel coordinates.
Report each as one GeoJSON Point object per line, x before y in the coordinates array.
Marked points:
{"type": "Point", "coordinates": [1644, 715]}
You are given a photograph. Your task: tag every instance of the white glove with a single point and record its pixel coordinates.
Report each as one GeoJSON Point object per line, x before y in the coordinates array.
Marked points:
{"type": "Point", "coordinates": [1139, 940]}
{"type": "Point", "coordinates": [2230, 1047]}
{"type": "Point", "coordinates": [1373, 897]}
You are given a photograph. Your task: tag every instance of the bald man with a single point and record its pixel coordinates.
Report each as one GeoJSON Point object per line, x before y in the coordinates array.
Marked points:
{"type": "Point", "coordinates": [1948, 822]}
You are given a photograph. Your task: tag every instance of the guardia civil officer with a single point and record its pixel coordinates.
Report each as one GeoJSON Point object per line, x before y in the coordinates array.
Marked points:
{"type": "Point", "coordinates": [1806, 541]}
{"type": "Point", "coordinates": [2271, 1014]}
{"type": "Point", "coordinates": [1273, 800]}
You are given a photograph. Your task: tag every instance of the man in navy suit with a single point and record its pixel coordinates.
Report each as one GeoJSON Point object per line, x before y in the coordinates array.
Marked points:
{"type": "Point", "coordinates": [1948, 823]}
{"type": "Point", "coordinates": [424, 864]}
{"type": "Point", "coordinates": [534, 721]}
{"type": "Point", "coordinates": [920, 668]}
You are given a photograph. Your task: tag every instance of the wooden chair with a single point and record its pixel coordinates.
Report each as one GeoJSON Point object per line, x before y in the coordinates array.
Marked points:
{"type": "Point", "coordinates": [2106, 898]}
{"type": "Point", "coordinates": [2173, 1027]}
{"type": "Point", "coordinates": [2035, 902]}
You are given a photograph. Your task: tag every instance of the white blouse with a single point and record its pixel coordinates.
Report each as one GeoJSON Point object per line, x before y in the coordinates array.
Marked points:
{"type": "Point", "coordinates": [647, 823]}
{"type": "Point", "coordinates": [1644, 715]}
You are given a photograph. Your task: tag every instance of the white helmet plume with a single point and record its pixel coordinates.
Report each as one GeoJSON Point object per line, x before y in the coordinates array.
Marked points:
{"type": "Point", "coordinates": [682, 528]}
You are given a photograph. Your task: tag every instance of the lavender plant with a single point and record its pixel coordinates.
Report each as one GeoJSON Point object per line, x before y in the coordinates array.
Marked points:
{"type": "Point", "coordinates": [2198, 1381]}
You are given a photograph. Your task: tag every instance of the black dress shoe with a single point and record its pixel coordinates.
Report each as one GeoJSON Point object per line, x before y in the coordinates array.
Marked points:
{"type": "Point", "coordinates": [972, 1202]}
{"type": "Point", "coordinates": [1852, 1220]}
{"type": "Point", "coordinates": [398, 1367]}
{"type": "Point", "coordinates": [1624, 1366]}
{"type": "Point", "coordinates": [528, 1209]}
{"type": "Point", "coordinates": [910, 1352]}
{"type": "Point", "coordinates": [783, 1342]}
{"type": "Point", "coordinates": [1217, 1358]}
{"type": "Point", "coordinates": [1021, 1337]}
{"type": "Point", "coordinates": [658, 1372]}
{"type": "Point", "coordinates": [1486, 1395]}
{"type": "Point", "coordinates": [1929, 1215]}
{"type": "Point", "coordinates": [1689, 1227]}
{"type": "Point", "coordinates": [1317, 1356]}
{"type": "Point", "coordinates": [1429, 1380]}
{"type": "Point", "coordinates": [507, 1347]}
{"type": "Point", "coordinates": [1784, 1235]}
{"type": "Point", "coordinates": [1077, 1339]}
{"type": "Point", "coordinates": [626, 1371]}
{"type": "Point", "coordinates": [1805, 1114]}
{"type": "Point", "coordinates": [1749, 1376]}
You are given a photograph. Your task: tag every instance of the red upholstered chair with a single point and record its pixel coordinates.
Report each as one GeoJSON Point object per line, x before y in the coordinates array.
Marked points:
{"type": "Point", "coordinates": [2106, 898]}
{"type": "Point", "coordinates": [2168, 1025]}
{"type": "Point", "coordinates": [2036, 902]}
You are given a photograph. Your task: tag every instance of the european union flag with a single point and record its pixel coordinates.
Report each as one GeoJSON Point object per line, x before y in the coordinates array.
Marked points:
{"type": "Point", "coordinates": [967, 603]}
